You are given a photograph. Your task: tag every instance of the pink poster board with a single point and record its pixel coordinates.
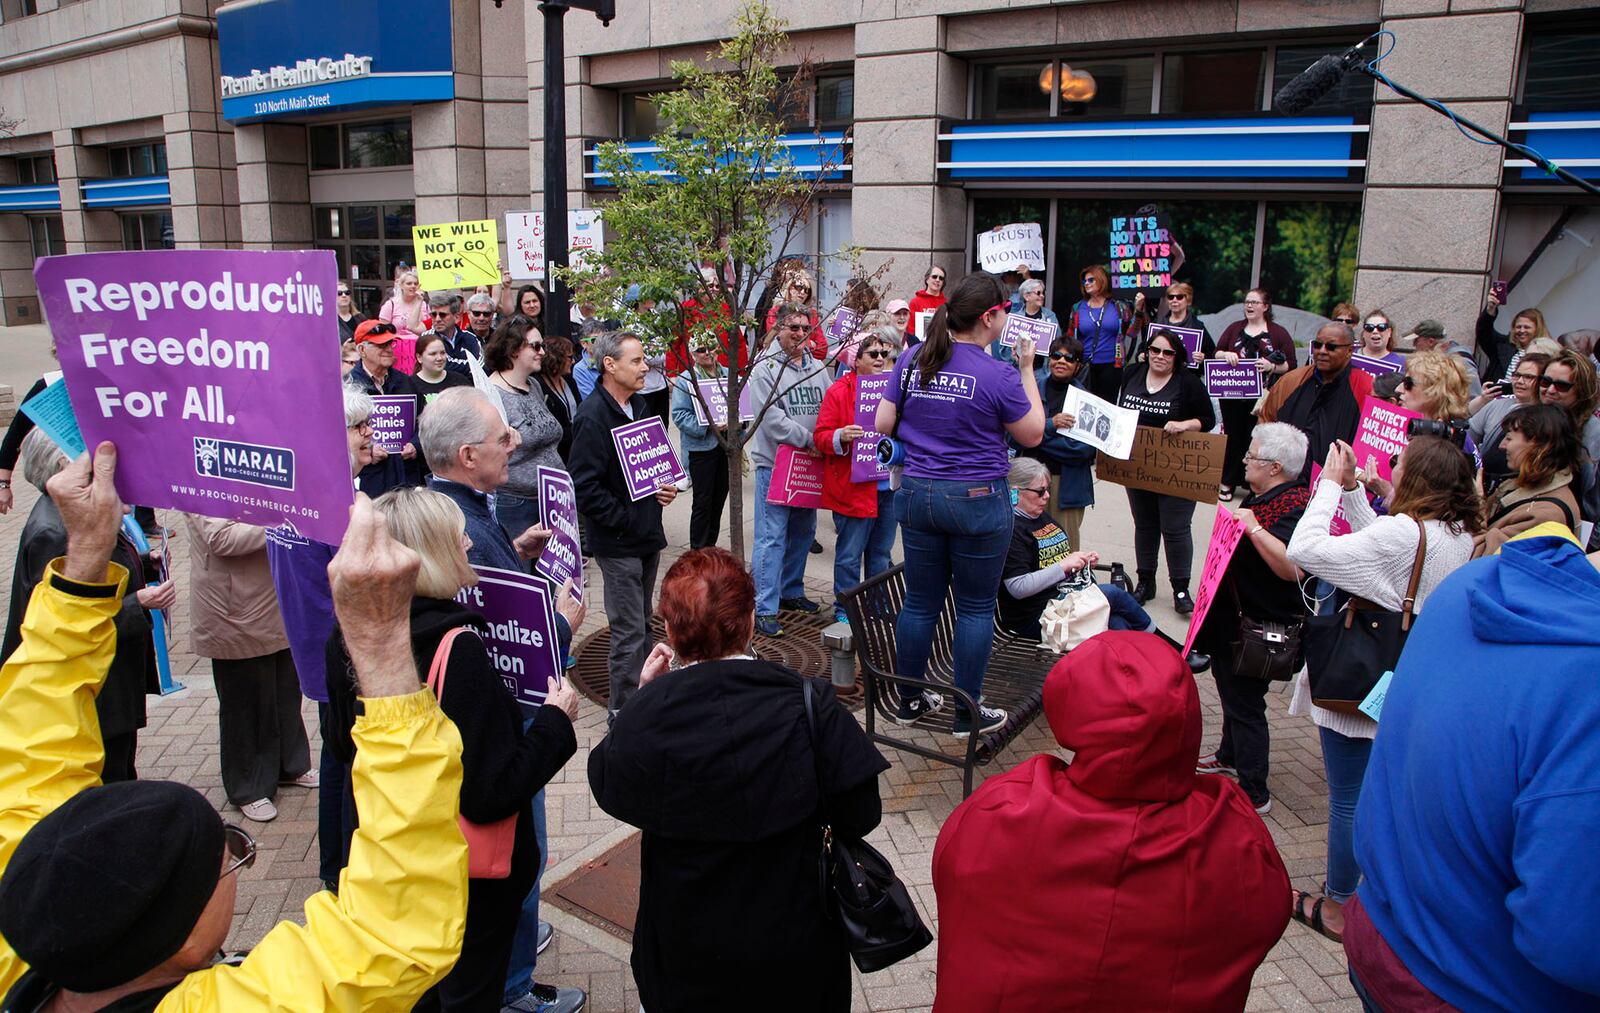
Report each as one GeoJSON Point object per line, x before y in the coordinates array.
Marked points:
{"type": "Point", "coordinates": [1226, 531]}
{"type": "Point", "coordinates": [796, 479]}
{"type": "Point", "coordinates": [1339, 526]}
{"type": "Point", "coordinates": [1381, 434]}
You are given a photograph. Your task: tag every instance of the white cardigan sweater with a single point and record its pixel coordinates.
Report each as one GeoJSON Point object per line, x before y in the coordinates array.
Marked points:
{"type": "Point", "coordinates": [1372, 561]}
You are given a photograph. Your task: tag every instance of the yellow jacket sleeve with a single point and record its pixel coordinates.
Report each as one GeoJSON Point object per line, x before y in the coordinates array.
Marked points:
{"type": "Point", "coordinates": [395, 929]}
{"type": "Point", "coordinates": [50, 746]}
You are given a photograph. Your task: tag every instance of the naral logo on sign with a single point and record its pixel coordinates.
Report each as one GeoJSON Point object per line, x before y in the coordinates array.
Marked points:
{"type": "Point", "coordinates": [272, 467]}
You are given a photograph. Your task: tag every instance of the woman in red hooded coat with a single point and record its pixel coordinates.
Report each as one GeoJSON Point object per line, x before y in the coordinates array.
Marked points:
{"type": "Point", "coordinates": [1122, 881]}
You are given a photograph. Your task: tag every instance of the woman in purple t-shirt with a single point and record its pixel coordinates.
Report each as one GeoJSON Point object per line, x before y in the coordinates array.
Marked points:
{"type": "Point", "coordinates": [951, 405]}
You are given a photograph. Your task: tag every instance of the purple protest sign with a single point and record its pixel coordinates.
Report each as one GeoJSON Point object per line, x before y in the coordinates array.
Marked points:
{"type": "Point", "coordinates": [648, 461]}
{"type": "Point", "coordinates": [1233, 380]}
{"type": "Point", "coordinates": [864, 466]}
{"type": "Point", "coordinates": [216, 373]}
{"type": "Point", "coordinates": [1018, 326]}
{"type": "Point", "coordinates": [562, 559]}
{"type": "Point", "coordinates": [796, 479]}
{"type": "Point", "coordinates": [394, 421]}
{"type": "Point", "coordinates": [522, 631]}
{"type": "Point", "coordinates": [843, 325]}
{"type": "Point", "coordinates": [716, 395]}
{"type": "Point", "coordinates": [1376, 367]}
{"type": "Point", "coordinates": [1190, 336]}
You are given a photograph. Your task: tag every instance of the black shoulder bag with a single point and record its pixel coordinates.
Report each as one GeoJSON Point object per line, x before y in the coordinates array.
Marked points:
{"type": "Point", "coordinates": [859, 887]}
{"type": "Point", "coordinates": [1348, 652]}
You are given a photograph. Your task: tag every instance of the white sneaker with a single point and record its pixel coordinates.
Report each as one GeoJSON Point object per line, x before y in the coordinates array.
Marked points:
{"type": "Point", "coordinates": [261, 810]}
{"type": "Point", "coordinates": [310, 779]}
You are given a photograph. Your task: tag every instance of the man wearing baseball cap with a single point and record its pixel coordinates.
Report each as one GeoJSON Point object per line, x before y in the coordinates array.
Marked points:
{"type": "Point", "coordinates": [1429, 336]}
{"type": "Point", "coordinates": [118, 897]}
{"type": "Point", "coordinates": [375, 374]}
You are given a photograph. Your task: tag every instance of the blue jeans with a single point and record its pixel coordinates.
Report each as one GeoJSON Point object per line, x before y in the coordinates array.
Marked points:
{"type": "Point", "coordinates": [516, 514]}
{"type": "Point", "coordinates": [956, 535]}
{"type": "Point", "coordinates": [1126, 614]}
{"type": "Point", "coordinates": [867, 540]}
{"type": "Point", "coordinates": [1344, 760]}
{"type": "Point", "coordinates": [525, 944]}
{"type": "Point", "coordinates": [783, 540]}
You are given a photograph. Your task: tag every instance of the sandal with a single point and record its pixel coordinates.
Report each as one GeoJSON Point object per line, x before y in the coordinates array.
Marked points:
{"type": "Point", "coordinates": [1225, 493]}
{"type": "Point", "coordinates": [1314, 919]}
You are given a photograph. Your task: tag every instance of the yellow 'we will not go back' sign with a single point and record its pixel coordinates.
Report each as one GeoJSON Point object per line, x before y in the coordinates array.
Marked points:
{"type": "Point", "coordinates": [457, 254]}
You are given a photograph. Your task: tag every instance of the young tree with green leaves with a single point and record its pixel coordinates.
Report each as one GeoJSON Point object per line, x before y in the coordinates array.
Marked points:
{"type": "Point", "coordinates": [703, 230]}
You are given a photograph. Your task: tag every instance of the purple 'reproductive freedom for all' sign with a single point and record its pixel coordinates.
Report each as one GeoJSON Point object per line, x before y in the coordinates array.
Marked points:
{"type": "Point", "coordinates": [1238, 380]}
{"type": "Point", "coordinates": [522, 631]}
{"type": "Point", "coordinates": [864, 466]}
{"type": "Point", "coordinates": [1018, 326]}
{"type": "Point", "coordinates": [394, 420]}
{"type": "Point", "coordinates": [648, 461]}
{"type": "Point", "coordinates": [562, 558]}
{"type": "Point", "coordinates": [216, 373]}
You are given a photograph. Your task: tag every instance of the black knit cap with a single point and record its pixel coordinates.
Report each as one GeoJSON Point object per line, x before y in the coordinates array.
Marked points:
{"type": "Point", "coordinates": [111, 884]}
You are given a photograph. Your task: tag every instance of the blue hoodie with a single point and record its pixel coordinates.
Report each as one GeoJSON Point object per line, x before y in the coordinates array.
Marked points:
{"type": "Point", "coordinates": [1479, 821]}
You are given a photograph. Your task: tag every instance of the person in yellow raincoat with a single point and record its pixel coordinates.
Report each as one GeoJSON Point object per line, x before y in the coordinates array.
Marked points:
{"type": "Point", "coordinates": [123, 894]}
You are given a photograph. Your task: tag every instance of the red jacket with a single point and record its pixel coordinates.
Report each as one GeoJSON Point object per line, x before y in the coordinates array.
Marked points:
{"type": "Point", "coordinates": [839, 494]}
{"type": "Point", "coordinates": [920, 302]}
{"type": "Point", "coordinates": [678, 358]}
{"type": "Point", "coordinates": [819, 341]}
{"type": "Point", "coordinates": [1122, 881]}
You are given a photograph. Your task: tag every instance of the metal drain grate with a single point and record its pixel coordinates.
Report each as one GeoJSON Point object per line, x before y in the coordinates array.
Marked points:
{"type": "Point", "coordinates": [800, 648]}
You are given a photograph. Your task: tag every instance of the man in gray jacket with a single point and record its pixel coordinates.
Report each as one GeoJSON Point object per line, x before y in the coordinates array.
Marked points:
{"type": "Point", "coordinates": [788, 383]}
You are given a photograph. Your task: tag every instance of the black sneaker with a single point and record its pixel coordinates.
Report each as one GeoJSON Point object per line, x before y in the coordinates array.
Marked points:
{"type": "Point", "coordinates": [1182, 603]}
{"type": "Point", "coordinates": [816, 547]}
{"type": "Point", "coordinates": [805, 605]}
{"type": "Point", "coordinates": [920, 706]}
{"type": "Point", "coordinates": [1198, 662]}
{"type": "Point", "coordinates": [1144, 591]}
{"type": "Point", "coordinates": [988, 720]}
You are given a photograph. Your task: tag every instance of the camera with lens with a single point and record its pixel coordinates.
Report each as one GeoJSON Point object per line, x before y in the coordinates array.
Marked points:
{"type": "Point", "coordinates": [891, 452]}
{"type": "Point", "coordinates": [1452, 430]}
{"type": "Point", "coordinates": [1272, 355]}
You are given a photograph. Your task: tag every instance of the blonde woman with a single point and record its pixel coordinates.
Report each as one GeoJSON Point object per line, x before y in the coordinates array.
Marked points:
{"type": "Point", "coordinates": [406, 308]}
{"type": "Point", "coordinates": [799, 289]}
{"type": "Point", "coordinates": [1436, 385]}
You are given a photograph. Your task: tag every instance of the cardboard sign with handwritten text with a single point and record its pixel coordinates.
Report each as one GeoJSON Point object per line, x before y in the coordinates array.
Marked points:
{"type": "Point", "coordinates": [1187, 465]}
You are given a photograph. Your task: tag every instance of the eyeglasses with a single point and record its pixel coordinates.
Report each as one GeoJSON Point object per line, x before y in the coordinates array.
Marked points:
{"type": "Point", "coordinates": [936, 277]}
{"type": "Point", "coordinates": [1164, 352]}
{"type": "Point", "coordinates": [344, 291]}
{"type": "Point", "coordinates": [381, 328]}
{"type": "Point", "coordinates": [1001, 306]}
{"type": "Point", "coordinates": [480, 313]}
{"type": "Point", "coordinates": [1527, 377]}
{"type": "Point", "coordinates": [1089, 280]}
{"type": "Point", "coordinates": [1043, 490]}
{"type": "Point", "coordinates": [1328, 346]}
{"type": "Point", "coordinates": [537, 346]}
{"type": "Point", "coordinates": [1259, 460]}
{"type": "Point", "coordinates": [364, 426]}
{"type": "Point", "coordinates": [876, 353]}
{"type": "Point", "coordinates": [706, 349]}
{"type": "Point", "coordinates": [1175, 295]}
{"type": "Point", "coordinates": [1347, 321]}
{"type": "Point", "coordinates": [1410, 382]}
{"type": "Point", "coordinates": [504, 440]}
{"type": "Point", "coordinates": [1254, 302]}
{"type": "Point", "coordinates": [1561, 385]}
{"type": "Point", "coordinates": [241, 846]}
{"type": "Point", "coordinates": [1067, 356]}
{"type": "Point", "coordinates": [794, 327]}
{"type": "Point", "coordinates": [1372, 328]}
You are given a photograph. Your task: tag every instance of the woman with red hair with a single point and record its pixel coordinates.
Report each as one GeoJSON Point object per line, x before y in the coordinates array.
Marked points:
{"type": "Point", "coordinates": [713, 758]}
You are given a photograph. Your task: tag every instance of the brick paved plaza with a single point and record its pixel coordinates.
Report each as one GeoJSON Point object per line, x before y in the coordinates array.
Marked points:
{"type": "Point", "coordinates": [1304, 971]}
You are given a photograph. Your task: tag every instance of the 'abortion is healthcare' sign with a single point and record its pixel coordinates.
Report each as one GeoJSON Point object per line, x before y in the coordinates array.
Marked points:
{"type": "Point", "coordinates": [216, 374]}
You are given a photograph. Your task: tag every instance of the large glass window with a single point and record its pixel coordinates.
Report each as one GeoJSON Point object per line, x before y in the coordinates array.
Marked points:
{"type": "Point", "coordinates": [1561, 74]}
{"type": "Point", "coordinates": [36, 170]}
{"type": "Point", "coordinates": [1352, 97]}
{"type": "Point", "coordinates": [836, 101]}
{"type": "Point", "coordinates": [1308, 253]}
{"type": "Point", "coordinates": [1115, 87]}
{"type": "Point", "coordinates": [147, 232]}
{"type": "Point", "coordinates": [366, 145]}
{"type": "Point", "coordinates": [138, 160]}
{"type": "Point", "coordinates": [47, 237]}
{"type": "Point", "coordinates": [1015, 91]}
{"type": "Point", "coordinates": [1205, 83]}
{"type": "Point", "coordinates": [641, 117]}
{"type": "Point", "coordinates": [370, 242]}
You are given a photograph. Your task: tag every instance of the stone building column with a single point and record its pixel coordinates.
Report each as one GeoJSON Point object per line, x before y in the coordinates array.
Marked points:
{"type": "Point", "coordinates": [85, 231]}
{"type": "Point", "coordinates": [1432, 203]}
{"type": "Point", "coordinates": [274, 190]}
{"type": "Point", "coordinates": [904, 84]}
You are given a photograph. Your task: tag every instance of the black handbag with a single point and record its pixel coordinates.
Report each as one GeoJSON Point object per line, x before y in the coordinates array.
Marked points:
{"type": "Point", "coordinates": [1268, 650]}
{"type": "Point", "coordinates": [1348, 652]}
{"type": "Point", "coordinates": [860, 889]}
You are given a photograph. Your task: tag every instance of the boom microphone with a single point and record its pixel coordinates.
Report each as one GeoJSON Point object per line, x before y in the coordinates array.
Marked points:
{"type": "Point", "coordinates": [1317, 80]}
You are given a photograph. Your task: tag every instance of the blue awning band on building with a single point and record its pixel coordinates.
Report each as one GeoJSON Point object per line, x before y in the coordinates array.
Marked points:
{"type": "Point", "coordinates": [30, 198]}
{"type": "Point", "coordinates": [1265, 147]}
{"type": "Point", "coordinates": [816, 156]}
{"type": "Point", "coordinates": [138, 191]}
{"type": "Point", "coordinates": [1569, 139]}
{"type": "Point", "coordinates": [358, 93]}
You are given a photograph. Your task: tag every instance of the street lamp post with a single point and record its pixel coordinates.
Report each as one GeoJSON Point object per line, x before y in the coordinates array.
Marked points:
{"type": "Point", "coordinates": [557, 318]}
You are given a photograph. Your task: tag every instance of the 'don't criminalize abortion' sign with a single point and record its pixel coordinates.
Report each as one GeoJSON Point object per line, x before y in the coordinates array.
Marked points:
{"type": "Point", "coordinates": [215, 373]}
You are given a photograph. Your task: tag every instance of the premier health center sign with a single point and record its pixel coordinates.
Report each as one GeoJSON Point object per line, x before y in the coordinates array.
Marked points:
{"type": "Point", "coordinates": [216, 374]}
{"type": "Point", "coordinates": [299, 57]}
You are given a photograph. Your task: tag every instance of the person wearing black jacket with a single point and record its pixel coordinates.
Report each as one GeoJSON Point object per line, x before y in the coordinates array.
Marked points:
{"type": "Point", "coordinates": [560, 390]}
{"type": "Point", "coordinates": [625, 534]}
{"type": "Point", "coordinates": [1169, 397]}
{"type": "Point", "coordinates": [503, 766]}
{"type": "Point", "coordinates": [715, 761]}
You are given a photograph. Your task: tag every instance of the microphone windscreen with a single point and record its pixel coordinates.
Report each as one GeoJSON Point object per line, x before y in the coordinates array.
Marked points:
{"type": "Point", "coordinates": [1309, 85]}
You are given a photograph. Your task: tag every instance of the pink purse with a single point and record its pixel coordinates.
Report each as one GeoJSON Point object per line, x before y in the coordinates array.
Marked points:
{"type": "Point", "coordinates": [489, 845]}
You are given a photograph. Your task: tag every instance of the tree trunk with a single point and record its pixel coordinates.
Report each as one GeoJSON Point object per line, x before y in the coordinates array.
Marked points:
{"type": "Point", "coordinates": [735, 452]}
